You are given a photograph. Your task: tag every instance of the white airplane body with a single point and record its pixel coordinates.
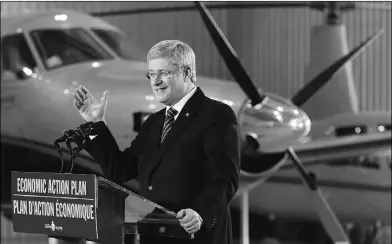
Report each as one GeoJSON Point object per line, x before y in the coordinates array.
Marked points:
{"type": "Point", "coordinates": [37, 109]}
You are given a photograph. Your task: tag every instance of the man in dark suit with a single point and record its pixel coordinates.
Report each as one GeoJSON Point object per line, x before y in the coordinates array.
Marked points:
{"type": "Point", "coordinates": [186, 156]}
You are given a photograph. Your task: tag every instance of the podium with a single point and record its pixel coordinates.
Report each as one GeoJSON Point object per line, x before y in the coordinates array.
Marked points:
{"type": "Point", "coordinates": [72, 208]}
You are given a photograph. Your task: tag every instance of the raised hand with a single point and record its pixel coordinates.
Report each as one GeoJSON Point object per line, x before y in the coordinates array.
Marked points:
{"type": "Point", "coordinates": [88, 107]}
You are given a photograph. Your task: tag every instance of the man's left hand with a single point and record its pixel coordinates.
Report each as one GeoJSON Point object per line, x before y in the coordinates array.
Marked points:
{"type": "Point", "coordinates": [190, 220]}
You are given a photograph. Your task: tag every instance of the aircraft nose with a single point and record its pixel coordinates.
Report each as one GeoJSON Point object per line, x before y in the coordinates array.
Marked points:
{"type": "Point", "coordinates": [274, 125]}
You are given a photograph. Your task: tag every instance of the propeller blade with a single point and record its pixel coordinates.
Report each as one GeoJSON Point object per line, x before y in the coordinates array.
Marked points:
{"type": "Point", "coordinates": [232, 5]}
{"type": "Point", "coordinates": [321, 79]}
{"type": "Point", "coordinates": [327, 216]}
{"type": "Point", "coordinates": [230, 56]}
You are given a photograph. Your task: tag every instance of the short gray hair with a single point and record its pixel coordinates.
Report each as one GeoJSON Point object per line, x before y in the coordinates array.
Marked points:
{"type": "Point", "coordinates": [177, 51]}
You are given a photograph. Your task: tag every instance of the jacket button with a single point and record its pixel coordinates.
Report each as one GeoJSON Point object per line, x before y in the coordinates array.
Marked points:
{"type": "Point", "coordinates": [150, 188]}
{"type": "Point", "coordinates": [162, 229]}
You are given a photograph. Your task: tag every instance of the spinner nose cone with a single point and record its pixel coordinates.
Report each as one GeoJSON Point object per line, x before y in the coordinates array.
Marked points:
{"type": "Point", "coordinates": [275, 124]}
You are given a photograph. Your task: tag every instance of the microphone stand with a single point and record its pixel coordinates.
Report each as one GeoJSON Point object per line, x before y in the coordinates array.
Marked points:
{"type": "Point", "coordinates": [68, 168]}
{"type": "Point", "coordinates": [78, 136]}
{"type": "Point", "coordinates": [57, 145]}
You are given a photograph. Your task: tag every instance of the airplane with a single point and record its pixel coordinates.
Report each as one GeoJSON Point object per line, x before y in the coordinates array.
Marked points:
{"type": "Point", "coordinates": [58, 49]}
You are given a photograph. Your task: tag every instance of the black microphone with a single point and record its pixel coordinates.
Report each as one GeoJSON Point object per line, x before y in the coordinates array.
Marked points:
{"type": "Point", "coordinates": [83, 132]}
{"type": "Point", "coordinates": [78, 135]}
{"type": "Point", "coordinates": [65, 136]}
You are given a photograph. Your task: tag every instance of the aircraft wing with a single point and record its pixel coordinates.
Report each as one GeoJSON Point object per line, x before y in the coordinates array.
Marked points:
{"type": "Point", "coordinates": [335, 148]}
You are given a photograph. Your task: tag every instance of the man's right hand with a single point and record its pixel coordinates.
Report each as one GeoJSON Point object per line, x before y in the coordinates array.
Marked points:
{"type": "Point", "coordinates": [88, 107]}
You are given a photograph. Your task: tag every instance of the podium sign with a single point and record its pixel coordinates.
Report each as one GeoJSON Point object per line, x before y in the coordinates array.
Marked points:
{"type": "Point", "coordinates": [55, 204]}
{"type": "Point", "coordinates": [86, 207]}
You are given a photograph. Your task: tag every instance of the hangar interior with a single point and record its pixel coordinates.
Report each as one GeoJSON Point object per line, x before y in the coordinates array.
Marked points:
{"type": "Point", "coordinates": [274, 46]}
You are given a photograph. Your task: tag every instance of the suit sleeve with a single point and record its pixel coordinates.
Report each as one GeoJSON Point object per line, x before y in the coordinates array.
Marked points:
{"type": "Point", "coordinates": [221, 145]}
{"type": "Point", "coordinates": [119, 166]}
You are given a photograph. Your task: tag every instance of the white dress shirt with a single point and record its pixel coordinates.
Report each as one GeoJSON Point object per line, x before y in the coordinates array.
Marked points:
{"type": "Point", "coordinates": [180, 104]}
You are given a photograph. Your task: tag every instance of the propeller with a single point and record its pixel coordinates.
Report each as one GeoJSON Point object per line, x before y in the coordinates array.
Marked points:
{"type": "Point", "coordinates": [326, 215]}
{"type": "Point", "coordinates": [322, 78]}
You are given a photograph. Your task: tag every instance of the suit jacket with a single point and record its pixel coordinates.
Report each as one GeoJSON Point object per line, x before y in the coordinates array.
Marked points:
{"type": "Point", "coordinates": [196, 166]}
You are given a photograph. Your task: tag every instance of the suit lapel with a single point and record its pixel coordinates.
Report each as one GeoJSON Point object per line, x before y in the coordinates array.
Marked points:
{"type": "Point", "coordinates": [188, 112]}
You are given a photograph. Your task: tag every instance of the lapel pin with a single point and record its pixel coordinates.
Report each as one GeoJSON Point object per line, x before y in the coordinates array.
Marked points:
{"type": "Point", "coordinates": [187, 114]}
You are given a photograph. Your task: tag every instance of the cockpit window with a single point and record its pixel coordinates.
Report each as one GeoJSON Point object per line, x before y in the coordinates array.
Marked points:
{"type": "Point", "coordinates": [58, 48]}
{"type": "Point", "coordinates": [17, 62]}
{"type": "Point", "coordinates": [120, 44]}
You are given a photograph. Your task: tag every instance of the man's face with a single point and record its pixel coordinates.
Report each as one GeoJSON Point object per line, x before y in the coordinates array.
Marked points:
{"type": "Point", "coordinates": [169, 85]}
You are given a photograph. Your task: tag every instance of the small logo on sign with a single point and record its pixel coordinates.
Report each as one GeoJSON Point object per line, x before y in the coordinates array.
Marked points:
{"type": "Point", "coordinates": [53, 227]}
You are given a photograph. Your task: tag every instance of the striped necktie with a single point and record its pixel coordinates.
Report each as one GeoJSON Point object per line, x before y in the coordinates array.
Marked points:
{"type": "Point", "coordinates": [169, 120]}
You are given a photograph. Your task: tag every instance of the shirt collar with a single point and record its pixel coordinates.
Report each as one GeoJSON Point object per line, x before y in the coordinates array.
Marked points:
{"type": "Point", "coordinates": [180, 104]}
